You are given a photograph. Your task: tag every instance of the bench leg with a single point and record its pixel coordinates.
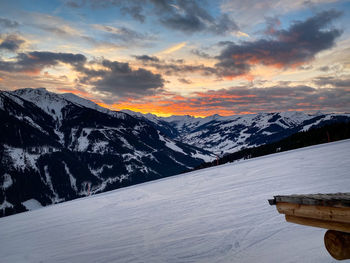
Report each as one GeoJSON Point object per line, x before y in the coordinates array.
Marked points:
{"type": "Point", "coordinates": [337, 244]}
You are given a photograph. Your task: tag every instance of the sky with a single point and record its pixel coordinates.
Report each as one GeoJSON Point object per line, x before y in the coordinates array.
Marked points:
{"type": "Point", "coordinates": [182, 57]}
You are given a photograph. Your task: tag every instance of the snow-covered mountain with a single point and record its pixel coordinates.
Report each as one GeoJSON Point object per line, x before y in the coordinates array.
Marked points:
{"type": "Point", "coordinates": [56, 147]}
{"type": "Point", "coordinates": [219, 214]}
{"type": "Point", "coordinates": [228, 134]}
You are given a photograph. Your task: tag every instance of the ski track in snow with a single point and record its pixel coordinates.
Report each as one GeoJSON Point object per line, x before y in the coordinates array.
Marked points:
{"type": "Point", "coordinates": [219, 214]}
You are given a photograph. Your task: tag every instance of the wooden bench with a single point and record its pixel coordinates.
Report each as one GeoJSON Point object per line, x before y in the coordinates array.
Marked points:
{"type": "Point", "coordinates": [329, 211]}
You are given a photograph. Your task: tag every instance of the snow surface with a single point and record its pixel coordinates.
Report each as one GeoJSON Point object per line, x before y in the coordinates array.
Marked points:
{"type": "Point", "coordinates": [72, 179]}
{"type": "Point", "coordinates": [219, 214]}
{"type": "Point", "coordinates": [205, 158]}
{"type": "Point", "coordinates": [170, 144]}
{"type": "Point", "coordinates": [32, 204]}
{"type": "Point", "coordinates": [5, 205]}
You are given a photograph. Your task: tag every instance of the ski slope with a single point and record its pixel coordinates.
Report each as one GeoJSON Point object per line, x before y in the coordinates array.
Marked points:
{"type": "Point", "coordinates": [219, 214]}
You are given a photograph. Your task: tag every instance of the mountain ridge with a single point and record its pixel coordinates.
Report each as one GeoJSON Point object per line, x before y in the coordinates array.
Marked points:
{"type": "Point", "coordinates": [228, 134]}
{"type": "Point", "coordinates": [52, 150]}
{"type": "Point", "coordinates": [58, 147]}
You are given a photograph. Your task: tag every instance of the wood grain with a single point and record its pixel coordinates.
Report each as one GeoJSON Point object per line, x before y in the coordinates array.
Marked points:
{"type": "Point", "coordinates": [337, 244]}
{"type": "Point", "coordinates": [336, 214]}
{"type": "Point", "coordinates": [331, 225]}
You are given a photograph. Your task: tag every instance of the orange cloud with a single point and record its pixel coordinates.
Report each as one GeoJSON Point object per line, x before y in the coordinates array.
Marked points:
{"type": "Point", "coordinates": [235, 100]}
{"type": "Point", "coordinates": [199, 106]}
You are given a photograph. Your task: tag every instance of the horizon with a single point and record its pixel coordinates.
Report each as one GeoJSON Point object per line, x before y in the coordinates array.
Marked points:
{"type": "Point", "coordinates": [186, 115]}
{"type": "Point", "coordinates": [196, 58]}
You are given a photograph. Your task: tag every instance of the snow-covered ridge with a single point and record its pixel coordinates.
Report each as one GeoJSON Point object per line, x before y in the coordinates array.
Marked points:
{"type": "Point", "coordinates": [49, 102]}
{"type": "Point", "coordinates": [53, 103]}
{"type": "Point", "coordinates": [227, 134]}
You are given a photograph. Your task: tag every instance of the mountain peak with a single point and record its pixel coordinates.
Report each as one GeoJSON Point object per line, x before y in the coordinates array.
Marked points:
{"type": "Point", "coordinates": [48, 101]}
{"type": "Point", "coordinates": [53, 103]}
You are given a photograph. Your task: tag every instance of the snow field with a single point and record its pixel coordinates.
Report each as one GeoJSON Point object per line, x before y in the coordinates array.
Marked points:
{"type": "Point", "coordinates": [219, 214]}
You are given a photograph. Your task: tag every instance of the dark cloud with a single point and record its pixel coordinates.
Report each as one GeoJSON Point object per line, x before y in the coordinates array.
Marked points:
{"type": "Point", "coordinates": [119, 79]}
{"type": "Point", "coordinates": [135, 12]}
{"type": "Point", "coordinates": [35, 61]}
{"type": "Point", "coordinates": [7, 23]}
{"type": "Point", "coordinates": [188, 16]}
{"type": "Point", "coordinates": [187, 23]}
{"type": "Point", "coordinates": [113, 77]}
{"type": "Point", "coordinates": [284, 48]}
{"type": "Point", "coordinates": [200, 53]}
{"type": "Point", "coordinates": [178, 68]}
{"type": "Point", "coordinates": [191, 17]}
{"type": "Point", "coordinates": [269, 99]}
{"type": "Point", "coordinates": [11, 42]}
{"type": "Point", "coordinates": [185, 81]}
{"type": "Point", "coordinates": [285, 98]}
{"type": "Point", "coordinates": [147, 58]}
{"type": "Point", "coordinates": [334, 81]}
{"type": "Point", "coordinates": [324, 68]}
{"type": "Point", "coordinates": [223, 25]}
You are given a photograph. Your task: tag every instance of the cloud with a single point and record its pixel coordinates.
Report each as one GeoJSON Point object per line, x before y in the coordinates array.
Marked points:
{"type": "Point", "coordinates": [110, 77]}
{"type": "Point", "coordinates": [51, 24]}
{"type": "Point", "coordinates": [124, 34]}
{"type": "Point", "coordinates": [135, 12]}
{"type": "Point", "coordinates": [11, 42]}
{"type": "Point", "coordinates": [201, 53]}
{"type": "Point", "coordinates": [61, 30]}
{"type": "Point", "coordinates": [241, 34]}
{"type": "Point", "coordinates": [339, 82]}
{"type": "Point", "coordinates": [188, 16]}
{"type": "Point", "coordinates": [273, 23]}
{"type": "Point", "coordinates": [284, 48]}
{"type": "Point", "coordinates": [7, 23]}
{"type": "Point", "coordinates": [175, 67]}
{"type": "Point", "coordinates": [173, 48]}
{"type": "Point", "coordinates": [147, 58]}
{"type": "Point", "coordinates": [134, 8]}
{"type": "Point", "coordinates": [244, 100]}
{"type": "Point", "coordinates": [253, 12]}
{"type": "Point", "coordinates": [119, 79]}
{"type": "Point", "coordinates": [184, 81]}
{"type": "Point", "coordinates": [34, 62]}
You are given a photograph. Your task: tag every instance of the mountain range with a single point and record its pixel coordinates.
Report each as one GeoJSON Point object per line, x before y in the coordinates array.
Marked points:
{"type": "Point", "coordinates": [58, 147]}
{"type": "Point", "coordinates": [222, 135]}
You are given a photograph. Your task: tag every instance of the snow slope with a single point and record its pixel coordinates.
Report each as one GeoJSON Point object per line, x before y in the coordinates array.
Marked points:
{"type": "Point", "coordinates": [219, 214]}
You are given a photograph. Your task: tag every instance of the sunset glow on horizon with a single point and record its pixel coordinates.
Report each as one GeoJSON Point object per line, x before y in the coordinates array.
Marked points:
{"type": "Point", "coordinates": [182, 57]}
